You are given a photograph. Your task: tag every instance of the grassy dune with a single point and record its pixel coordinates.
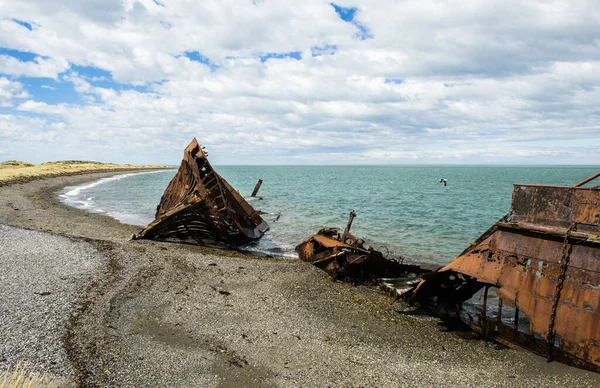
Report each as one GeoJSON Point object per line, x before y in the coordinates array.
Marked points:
{"type": "Point", "coordinates": [14, 171]}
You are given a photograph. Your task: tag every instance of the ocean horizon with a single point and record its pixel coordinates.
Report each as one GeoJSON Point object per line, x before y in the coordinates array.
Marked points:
{"type": "Point", "coordinates": [401, 209]}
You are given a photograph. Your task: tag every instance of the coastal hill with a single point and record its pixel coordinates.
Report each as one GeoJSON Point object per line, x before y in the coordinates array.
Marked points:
{"type": "Point", "coordinates": [14, 171]}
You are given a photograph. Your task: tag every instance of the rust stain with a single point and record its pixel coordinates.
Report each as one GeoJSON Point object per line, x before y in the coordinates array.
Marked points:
{"type": "Point", "coordinates": [199, 206]}
{"type": "Point", "coordinates": [543, 259]}
{"type": "Point", "coordinates": [345, 257]}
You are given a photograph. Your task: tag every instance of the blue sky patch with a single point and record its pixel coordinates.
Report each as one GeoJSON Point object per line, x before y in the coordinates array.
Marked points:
{"type": "Point", "coordinates": [62, 91]}
{"type": "Point", "coordinates": [51, 91]}
{"type": "Point", "coordinates": [103, 79]}
{"type": "Point", "coordinates": [396, 81]}
{"type": "Point", "coordinates": [197, 57]}
{"type": "Point", "coordinates": [363, 32]}
{"type": "Point", "coordinates": [297, 55]}
{"type": "Point", "coordinates": [24, 24]}
{"type": "Point", "coordinates": [347, 14]}
{"type": "Point", "coordinates": [328, 49]}
{"type": "Point", "coordinates": [22, 56]}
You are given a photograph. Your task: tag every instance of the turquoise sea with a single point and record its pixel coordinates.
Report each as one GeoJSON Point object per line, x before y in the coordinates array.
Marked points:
{"type": "Point", "coordinates": [403, 209]}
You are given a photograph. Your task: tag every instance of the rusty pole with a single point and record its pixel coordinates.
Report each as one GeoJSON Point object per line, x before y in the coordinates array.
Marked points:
{"type": "Point", "coordinates": [586, 180]}
{"type": "Point", "coordinates": [499, 316]}
{"type": "Point", "coordinates": [347, 230]}
{"type": "Point", "coordinates": [484, 307]}
{"type": "Point", "coordinates": [256, 188]}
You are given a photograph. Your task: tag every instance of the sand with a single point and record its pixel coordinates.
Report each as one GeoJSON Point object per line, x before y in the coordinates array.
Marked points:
{"type": "Point", "coordinates": [143, 313]}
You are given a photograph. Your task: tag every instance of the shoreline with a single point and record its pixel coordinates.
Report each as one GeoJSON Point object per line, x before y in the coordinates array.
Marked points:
{"type": "Point", "coordinates": [151, 313]}
{"type": "Point", "coordinates": [46, 175]}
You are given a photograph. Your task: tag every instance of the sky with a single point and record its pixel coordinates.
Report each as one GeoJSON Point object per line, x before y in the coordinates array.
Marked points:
{"type": "Point", "coordinates": [301, 82]}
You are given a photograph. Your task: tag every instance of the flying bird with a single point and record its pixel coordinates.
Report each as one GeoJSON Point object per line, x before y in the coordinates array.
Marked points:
{"type": "Point", "coordinates": [444, 181]}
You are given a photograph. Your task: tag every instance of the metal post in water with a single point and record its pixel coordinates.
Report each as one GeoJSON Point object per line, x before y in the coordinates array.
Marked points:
{"type": "Point", "coordinates": [347, 230]}
{"type": "Point", "coordinates": [257, 187]}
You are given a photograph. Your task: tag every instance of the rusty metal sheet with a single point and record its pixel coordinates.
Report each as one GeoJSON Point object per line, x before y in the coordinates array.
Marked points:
{"type": "Point", "coordinates": [345, 257]}
{"type": "Point", "coordinates": [543, 259]}
{"type": "Point", "coordinates": [199, 206]}
{"type": "Point", "coordinates": [556, 206]}
{"type": "Point", "coordinates": [331, 242]}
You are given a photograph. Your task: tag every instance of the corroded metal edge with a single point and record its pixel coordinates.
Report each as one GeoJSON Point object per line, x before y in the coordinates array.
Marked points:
{"type": "Point", "coordinates": [543, 260]}
{"type": "Point", "coordinates": [199, 206]}
{"type": "Point", "coordinates": [344, 257]}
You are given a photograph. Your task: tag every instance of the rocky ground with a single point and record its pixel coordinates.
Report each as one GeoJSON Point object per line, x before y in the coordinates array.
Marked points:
{"type": "Point", "coordinates": [82, 301]}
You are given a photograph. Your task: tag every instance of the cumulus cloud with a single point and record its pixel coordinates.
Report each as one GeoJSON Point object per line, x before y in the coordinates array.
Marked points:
{"type": "Point", "coordinates": [10, 91]}
{"type": "Point", "coordinates": [376, 81]}
{"type": "Point", "coordinates": [15, 131]}
{"type": "Point", "coordinates": [40, 67]}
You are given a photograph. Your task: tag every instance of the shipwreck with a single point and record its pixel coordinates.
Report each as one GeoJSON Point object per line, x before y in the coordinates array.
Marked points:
{"type": "Point", "coordinates": [345, 257]}
{"type": "Point", "coordinates": [199, 206]}
{"type": "Point", "coordinates": [536, 273]}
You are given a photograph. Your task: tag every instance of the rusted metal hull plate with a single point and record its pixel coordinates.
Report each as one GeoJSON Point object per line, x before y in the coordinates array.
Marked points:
{"type": "Point", "coordinates": [343, 262]}
{"type": "Point", "coordinates": [543, 259]}
{"type": "Point", "coordinates": [345, 258]}
{"type": "Point", "coordinates": [199, 206]}
{"type": "Point", "coordinates": [557, 206]}
{"type": "Point", "coordinates": [525, 269]}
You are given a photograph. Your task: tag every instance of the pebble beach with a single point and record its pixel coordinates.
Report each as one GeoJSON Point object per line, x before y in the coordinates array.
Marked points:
{"type": "Point", "coordinates": [85, 304]}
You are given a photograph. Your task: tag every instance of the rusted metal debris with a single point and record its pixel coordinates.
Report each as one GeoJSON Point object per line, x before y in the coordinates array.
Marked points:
{"type": "Point", "coordinates": [256, 188]}
{"type": "Point", "coordinates": [543, 261]}
{"type": "Point", "coordinates": [344, 257]}
{"type": "Point", "coordinates": [199, 206]}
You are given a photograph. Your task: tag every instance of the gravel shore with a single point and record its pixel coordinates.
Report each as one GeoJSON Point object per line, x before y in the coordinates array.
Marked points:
{"type": "Point", "coordinates": [41, 276]}
{"type": "Point", "coordinates": [142, 313]}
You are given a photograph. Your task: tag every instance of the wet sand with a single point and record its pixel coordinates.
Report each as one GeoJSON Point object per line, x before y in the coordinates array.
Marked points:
{"type": "Point", "coordinates": [143, 313]}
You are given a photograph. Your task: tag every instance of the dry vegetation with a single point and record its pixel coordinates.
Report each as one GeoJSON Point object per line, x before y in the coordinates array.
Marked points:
{"type": "Point", "coordinates": [21, 378]}
{"type": "Point", "coordinates": [16, 171]}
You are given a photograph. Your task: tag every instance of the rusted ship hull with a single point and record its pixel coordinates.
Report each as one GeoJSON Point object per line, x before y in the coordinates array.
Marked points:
{"type": "Point", "coordinates": [199, 206]}
{"type": "Point", "coordinates": [344, 257]}
{"type": "Point", "coordinates": [543, 262]}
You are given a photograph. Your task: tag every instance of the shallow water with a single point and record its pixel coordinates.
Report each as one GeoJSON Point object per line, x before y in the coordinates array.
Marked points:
{"type": "Point", "coordinates": [403, 208]}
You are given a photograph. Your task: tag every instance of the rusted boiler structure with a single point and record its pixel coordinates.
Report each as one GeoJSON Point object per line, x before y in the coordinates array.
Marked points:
{"type": "Point", "coordinates": [344, 257]}
{"type": "Point", "coordinates": [199, 206]}
{"type": "Point", "coordinates": [543, 262]}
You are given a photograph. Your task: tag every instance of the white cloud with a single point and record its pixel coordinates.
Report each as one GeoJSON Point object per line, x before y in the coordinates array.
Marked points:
{"type": "Point", "coordinates": [15, 130]}
{"type": "Point", "coordinates": [438, 81]}
{"type": "Point", "coordinates": [9, 91]}
{"type": "Point", "coordinates": [40, 67]}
